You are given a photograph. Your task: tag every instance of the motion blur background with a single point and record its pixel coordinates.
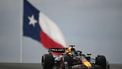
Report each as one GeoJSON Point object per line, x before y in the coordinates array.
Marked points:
{"type": "Point", "coordinates": [94, 26]}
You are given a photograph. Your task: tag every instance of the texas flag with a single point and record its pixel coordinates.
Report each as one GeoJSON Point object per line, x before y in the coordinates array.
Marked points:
{"type": "Point", "coordinates": [39, 27]}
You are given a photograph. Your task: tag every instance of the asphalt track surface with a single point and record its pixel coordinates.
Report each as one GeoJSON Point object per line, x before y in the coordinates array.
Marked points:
{"type": "Point", "coordinates": [38, 66]}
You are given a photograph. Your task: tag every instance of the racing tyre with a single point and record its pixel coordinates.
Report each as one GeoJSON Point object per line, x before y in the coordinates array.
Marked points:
{"type": "Point", "coordinates": [47, 61]}
{"type": "Point", "coordinates": [68, 60]}
{"type": "Point", "coordinates": [101, 61]}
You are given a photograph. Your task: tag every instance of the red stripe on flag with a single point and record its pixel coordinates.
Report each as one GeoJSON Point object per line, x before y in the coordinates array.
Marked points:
{"type": "Point", "coordinates": [48, 42]}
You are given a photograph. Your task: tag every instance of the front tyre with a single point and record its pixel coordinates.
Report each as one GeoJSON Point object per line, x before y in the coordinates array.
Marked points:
{"type": "Point", "coordinates": [101, 61]}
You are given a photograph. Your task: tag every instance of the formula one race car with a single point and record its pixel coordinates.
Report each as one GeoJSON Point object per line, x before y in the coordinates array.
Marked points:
{"type": "Point", "coordinates": [69, 58]}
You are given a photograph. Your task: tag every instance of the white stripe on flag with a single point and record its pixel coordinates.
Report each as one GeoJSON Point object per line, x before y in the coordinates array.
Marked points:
{"type": "Point", "coordinates": [51, 29]}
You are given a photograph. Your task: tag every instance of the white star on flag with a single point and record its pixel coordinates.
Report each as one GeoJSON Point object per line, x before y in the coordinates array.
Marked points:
{"type": "Point", "coordinates": [39, 27]}
{"type": "Point", "coordinates": [32, 21]}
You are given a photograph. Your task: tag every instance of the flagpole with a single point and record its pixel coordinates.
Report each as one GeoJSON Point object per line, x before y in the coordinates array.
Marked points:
{"type": "Point", "coordinates": [21, 33]}
{"type": "Point", "coordinates": [20, 48]}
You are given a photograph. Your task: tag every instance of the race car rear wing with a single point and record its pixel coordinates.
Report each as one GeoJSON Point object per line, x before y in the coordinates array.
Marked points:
{"type": "Point", "coordinates": [57, 50]}
{"type": "Point", "coordinates": [60, 50]}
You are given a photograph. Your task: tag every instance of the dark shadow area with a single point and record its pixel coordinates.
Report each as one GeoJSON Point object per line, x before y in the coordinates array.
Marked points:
{"type": "Point", "coordinates": [38, 66]}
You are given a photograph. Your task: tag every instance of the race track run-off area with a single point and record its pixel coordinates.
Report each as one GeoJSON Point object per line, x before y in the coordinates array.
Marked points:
{"type": "Point", "coordinates": [38, 66]}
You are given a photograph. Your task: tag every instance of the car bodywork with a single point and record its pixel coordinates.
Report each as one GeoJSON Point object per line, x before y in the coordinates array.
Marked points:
{"type": "Point", "coordinates": [69, 58]}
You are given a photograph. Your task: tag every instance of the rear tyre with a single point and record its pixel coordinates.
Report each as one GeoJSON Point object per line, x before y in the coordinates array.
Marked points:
{"type": "Point", "coordinates": [47, 61]}
{"type": "Point", "coordinates": [97, 67]}
{"type": "Point", "coordinates": [68, 61]}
